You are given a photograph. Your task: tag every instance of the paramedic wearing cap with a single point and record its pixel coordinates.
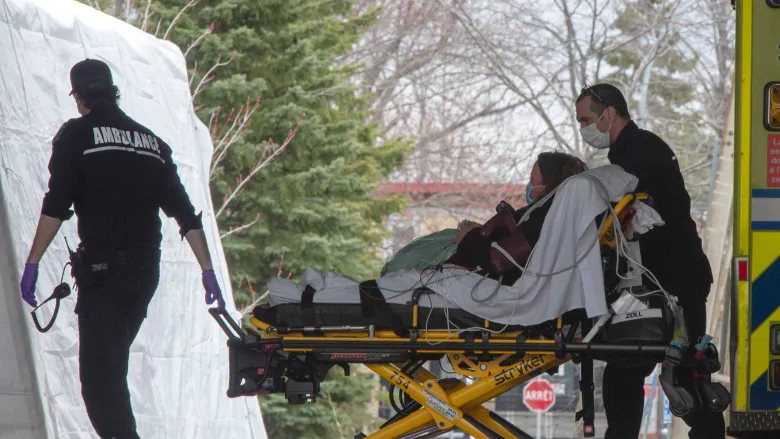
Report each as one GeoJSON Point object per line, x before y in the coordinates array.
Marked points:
{"type": "Point", "coordinates": [673, 252]}
{"type": "Point", "coordinates": [117, 175]}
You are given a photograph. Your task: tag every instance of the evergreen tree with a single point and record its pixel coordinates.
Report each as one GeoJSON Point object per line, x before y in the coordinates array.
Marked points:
{"type": "Point", "coordinates": [339, 413]}
{"type": "Point", "coordinates": [315, 199]}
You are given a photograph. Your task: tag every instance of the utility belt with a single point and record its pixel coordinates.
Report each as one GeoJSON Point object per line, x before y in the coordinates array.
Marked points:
{"type": "Point", "coordinates": [92, 265]}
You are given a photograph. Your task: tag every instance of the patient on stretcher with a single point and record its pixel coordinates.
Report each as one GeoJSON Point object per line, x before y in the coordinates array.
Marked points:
{"type": "Point", "coordinates": [517, 238]}
{"type": "Point", "coordinates": [564, 273]}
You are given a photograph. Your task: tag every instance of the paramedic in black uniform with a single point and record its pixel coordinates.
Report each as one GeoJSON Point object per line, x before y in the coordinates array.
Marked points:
{"type": "Point", "coordinates": [672, 252]}
{"type": "Point", "coordinates": [117, 175]}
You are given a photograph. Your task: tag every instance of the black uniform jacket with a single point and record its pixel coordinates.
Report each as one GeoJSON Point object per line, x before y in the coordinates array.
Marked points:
{"type": "Point", "coordinates": [117, 175]}
{"type": "Point", "coordinates": [672, 252]}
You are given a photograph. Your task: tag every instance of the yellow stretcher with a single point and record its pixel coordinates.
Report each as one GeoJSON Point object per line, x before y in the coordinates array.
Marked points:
{"type": "Point", "coordinates": [268, 358]}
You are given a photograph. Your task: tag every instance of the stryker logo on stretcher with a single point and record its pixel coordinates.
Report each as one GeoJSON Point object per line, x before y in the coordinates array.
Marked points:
{"type": "Point", "coordinates": [358, 356]}
{"type": "Point", "coordinates": [113, 138]}
{"type": "Point", "coordinates": [522, 369]}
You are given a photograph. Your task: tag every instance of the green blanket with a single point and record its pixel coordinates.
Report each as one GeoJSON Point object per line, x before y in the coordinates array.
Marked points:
{"type": "Point", "coordinates": [424, 252]}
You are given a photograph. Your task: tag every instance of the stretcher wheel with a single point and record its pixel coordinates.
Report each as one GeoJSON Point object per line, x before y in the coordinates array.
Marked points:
{"type": "Point", "coordinates": [681, 400]}
{"type": "Point", "coordinates": [298, 393]}
{"type": "Point", "coordinates": [715, 397]}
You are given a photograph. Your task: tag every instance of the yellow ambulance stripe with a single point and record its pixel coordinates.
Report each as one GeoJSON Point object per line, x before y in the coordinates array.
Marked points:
{"type": "Point", "coordinates": [742, 230]}
{"type": "Point", "coordinates": [764, 255]}
{"type": "Point", "coordinates": [740, 391]}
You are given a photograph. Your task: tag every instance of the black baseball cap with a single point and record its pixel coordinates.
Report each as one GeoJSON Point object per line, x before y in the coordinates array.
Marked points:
{"type": "Point", "coordinates": [90, 74]}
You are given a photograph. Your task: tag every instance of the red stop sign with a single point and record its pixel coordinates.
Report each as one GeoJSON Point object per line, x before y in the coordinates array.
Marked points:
{"type": "Point", "coordinates": [539, 395]}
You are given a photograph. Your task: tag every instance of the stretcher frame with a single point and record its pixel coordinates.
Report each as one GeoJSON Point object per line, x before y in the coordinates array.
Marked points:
{"type": "Point", "coordinates": [498, 362]}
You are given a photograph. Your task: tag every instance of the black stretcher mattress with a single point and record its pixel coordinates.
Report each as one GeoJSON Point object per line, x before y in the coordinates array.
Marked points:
{"type": "Point", "coordinates": [396, 317]}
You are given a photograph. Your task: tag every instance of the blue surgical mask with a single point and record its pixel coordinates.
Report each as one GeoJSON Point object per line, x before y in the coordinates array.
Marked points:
{"type": "Point", "coordinates": [528, 189]}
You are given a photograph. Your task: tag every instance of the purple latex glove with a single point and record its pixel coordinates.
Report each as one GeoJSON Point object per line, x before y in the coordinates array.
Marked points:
{"type": "Point", "coordinates": [29, 279]}
{"type": "Point", "coordinates": [212, 290]}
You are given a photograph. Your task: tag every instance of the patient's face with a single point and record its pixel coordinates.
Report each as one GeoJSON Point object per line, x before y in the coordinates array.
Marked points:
{"type": "Point", "coordinates": [537, 181]}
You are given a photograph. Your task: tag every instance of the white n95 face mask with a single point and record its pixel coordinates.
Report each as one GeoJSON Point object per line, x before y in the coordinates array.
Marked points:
{"type": "Point", "coordinates": [595, 138]}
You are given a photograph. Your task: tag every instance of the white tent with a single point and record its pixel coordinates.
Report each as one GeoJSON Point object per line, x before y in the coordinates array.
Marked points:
{"type": "Point", "coordinates": [178, 366]}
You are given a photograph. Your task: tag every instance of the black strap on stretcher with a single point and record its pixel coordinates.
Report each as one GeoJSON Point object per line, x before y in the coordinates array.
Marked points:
{"type": "Point", "coordinates": [373, 304]}
{"type": "Point", "coordinates": [307, 297]}
{"type": "Point", "coordinates": [307, 308]}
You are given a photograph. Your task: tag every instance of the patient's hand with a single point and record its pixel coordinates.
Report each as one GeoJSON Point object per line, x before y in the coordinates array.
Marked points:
{"type": "Point", "coordinates": [464, 228]}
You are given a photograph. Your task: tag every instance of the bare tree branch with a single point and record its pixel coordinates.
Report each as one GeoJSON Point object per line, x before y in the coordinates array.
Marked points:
{"type": "Point", "coordinates": [339, 427]}
{"type": "Point", "coordinates": [238, 123]}
{"type": "Point", "coordinates": [198, 40]}
{"type": "Point", "coordinates": [209, 76]}
{"type": "Point", "coordinates": [159, 23]}
{"type": "Point", "coordinates": [178, 17]}
{"type": "Point", "coordinates": [128, 8]}
{"type": "Point", "coordinates": [147, 15]}
{"type": "Point", "coordinates": [270, 153]}
{"type": "Point", "coordinates": [241, 228]}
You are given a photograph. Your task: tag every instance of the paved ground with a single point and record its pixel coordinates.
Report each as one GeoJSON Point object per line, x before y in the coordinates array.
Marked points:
{"type": "Point", "coordinates": [554, 425]}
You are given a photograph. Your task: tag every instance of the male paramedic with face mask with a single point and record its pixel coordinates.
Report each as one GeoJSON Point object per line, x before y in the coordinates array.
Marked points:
{"type": "Point", "coordinates": [117, 174]}
{"type": "Point", "coordinates": [672, 252]}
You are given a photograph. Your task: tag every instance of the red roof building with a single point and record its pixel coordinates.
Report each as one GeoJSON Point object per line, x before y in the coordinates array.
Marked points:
{"type": "Point", "coordinates": [436, 206]}
{"type": "Point", "coordinates": [457, 195]}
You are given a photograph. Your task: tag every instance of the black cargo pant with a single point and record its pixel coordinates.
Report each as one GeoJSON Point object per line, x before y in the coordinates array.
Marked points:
{"type": "Point", "coordinates": [623, 387]}
{"type": "Point", "coordinates": [114, 290]}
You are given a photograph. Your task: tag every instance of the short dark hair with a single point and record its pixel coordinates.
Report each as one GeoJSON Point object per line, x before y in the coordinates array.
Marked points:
{"type": "Point", "coordinates": [92, 97]}
{"type": "Point", "coordinates": [556, 167]}
{"type": "Point", "coordinates": [603, 96]}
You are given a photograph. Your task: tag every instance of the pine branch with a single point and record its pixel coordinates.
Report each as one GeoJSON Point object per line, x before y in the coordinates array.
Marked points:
{"type": "Point", "coordinates": [270, 153]}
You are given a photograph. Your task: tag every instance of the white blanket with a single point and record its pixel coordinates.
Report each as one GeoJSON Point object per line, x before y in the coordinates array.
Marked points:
{"type": "Point", "coordinates": [568, 247]}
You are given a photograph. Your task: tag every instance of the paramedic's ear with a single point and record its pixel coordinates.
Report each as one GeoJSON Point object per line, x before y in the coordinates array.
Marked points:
{"type": "Point", "coordinates": [80, 104]}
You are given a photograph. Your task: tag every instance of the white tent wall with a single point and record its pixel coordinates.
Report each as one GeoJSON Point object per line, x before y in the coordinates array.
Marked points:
{"type": "Point", "coordinates": [178, 366]}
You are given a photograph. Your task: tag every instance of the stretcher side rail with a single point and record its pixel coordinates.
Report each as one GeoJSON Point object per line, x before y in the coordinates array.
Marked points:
{"type": "Point", "coordinates": [561, 346]}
